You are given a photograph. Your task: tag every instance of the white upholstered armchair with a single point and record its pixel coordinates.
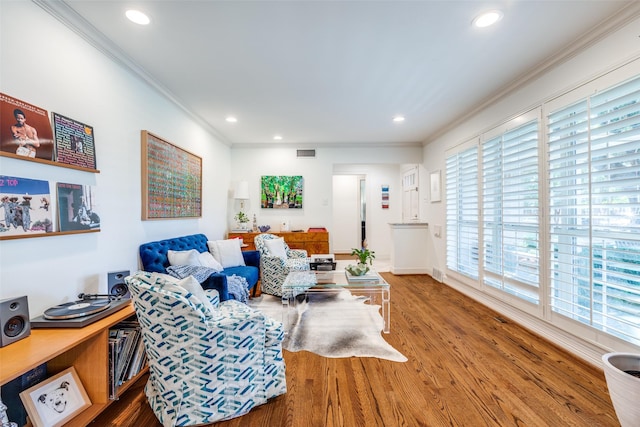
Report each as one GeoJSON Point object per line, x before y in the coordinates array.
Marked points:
{"type": "Point", "coordinates": [276, 261]}
{"type": "Point", "coordinates": [208, 361]}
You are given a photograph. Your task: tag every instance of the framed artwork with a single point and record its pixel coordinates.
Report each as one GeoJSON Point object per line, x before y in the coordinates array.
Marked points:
{"type": "Point", "coordinates": [77, 207]}
{"type": "Point", "coordinates": [54, 401]}
{"type": "Point", "coordinates": [25, 203]}
{"type": "Point", "coordinates": [171, 180]}
{"type": "Point", "coordinates": [434, 177]}
{"type": "Point", "coordinates": [27, 132]}
{"type": "Point", "coordinates": [385, 196]}
{"type": "Point", "coordinates": [281, 192]}
{"type": "Point", "coordinates": [74, 142]}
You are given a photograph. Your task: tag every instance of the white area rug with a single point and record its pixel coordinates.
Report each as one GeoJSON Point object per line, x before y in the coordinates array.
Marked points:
{"type": "Point", "coordinates": [332, 325]}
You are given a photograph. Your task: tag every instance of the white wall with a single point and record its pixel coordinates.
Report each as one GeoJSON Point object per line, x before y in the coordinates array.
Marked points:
{"type": "Point", "coordinates": [378, 165]}
{"type": "Point", "coordinates": [44, 63]}
{"type": "Point", "coordinates": [602, 57]}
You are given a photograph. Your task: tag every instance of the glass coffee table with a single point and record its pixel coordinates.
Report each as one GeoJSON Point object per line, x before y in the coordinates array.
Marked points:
{"type": "Point", "coordinates": [298, 284]}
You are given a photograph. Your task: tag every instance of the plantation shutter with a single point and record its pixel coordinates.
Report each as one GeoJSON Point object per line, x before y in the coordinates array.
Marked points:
{"type": "Point", "coordinates": [594, 184]}
{"type": "Point", "coordinates": [462, 212]}
{"type": "Point", "coordinates": [510, 212]}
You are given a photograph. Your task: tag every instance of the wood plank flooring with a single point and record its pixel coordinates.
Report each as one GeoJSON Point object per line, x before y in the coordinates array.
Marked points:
{"type": "Point", "coordinates": [468, 366]}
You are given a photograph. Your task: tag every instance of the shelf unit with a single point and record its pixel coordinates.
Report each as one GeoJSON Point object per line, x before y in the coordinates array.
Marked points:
{"type": "Point", "coordinates": [86, 349]}
{"type": "Point", "coordinates": [47, 162]}
{"type": "Point", "coordinates": [51, 163]}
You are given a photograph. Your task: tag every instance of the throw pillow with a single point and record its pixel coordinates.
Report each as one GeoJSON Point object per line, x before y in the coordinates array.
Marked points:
{"type": "Point", "coordinates": [189, 257]}
{"type": "Point", "coordinates": [207, 260]}
{"type": "Point", "coordinates": [191, 285]}
{"type": "Point", "coordinates": [165, 277]}
{"type": "Point", "coordinates": [227, 252]}
{"type": "Point", "coordinates": [276, 247]}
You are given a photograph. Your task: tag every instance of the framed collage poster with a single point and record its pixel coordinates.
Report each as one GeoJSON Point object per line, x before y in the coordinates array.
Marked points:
{"type": "Point", "coordinates": [171, 180]}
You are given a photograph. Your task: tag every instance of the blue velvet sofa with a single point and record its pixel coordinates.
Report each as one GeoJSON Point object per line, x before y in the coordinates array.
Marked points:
{"type": "Point", "coordinates": [153, 256]}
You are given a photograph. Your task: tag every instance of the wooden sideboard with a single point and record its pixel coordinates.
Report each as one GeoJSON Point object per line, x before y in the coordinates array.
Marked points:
{"type": "Point", "coordinates": [314, 242]}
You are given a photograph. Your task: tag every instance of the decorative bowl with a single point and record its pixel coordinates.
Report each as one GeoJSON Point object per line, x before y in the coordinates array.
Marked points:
{"type": "Point", "coordinates": [357, 270]}
{"type": "Point", "coordinates": [264, 228]}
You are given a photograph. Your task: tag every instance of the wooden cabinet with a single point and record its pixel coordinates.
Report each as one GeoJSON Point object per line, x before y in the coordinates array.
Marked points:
{"type": "Point", "coordinates": [315, 242]}
{"type": "Point", "coordinates": [86, 349]}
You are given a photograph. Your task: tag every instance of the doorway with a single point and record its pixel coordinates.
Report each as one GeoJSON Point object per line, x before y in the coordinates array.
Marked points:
{"type": "Point", "coordinates": [349, 210]}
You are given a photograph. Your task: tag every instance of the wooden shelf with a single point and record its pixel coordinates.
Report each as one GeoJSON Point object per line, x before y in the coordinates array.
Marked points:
{"type": "Point", "coordinates": [47, 162]}
{"type": "Point", "coordinates": [51, 163]}
{"type": "Point", "coordinates": [86, 349]}
{"type": "Point", "coordinates": [53, 233]}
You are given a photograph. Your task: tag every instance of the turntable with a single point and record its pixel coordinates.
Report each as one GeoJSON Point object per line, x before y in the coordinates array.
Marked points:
{"type": "Point", "coordinates": [77, 314]}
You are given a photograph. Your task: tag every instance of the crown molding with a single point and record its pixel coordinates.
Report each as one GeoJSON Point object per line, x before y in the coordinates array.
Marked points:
{"type": "Point", "coordinates": [76, 23]}
{"type": "Point", "coordinates": [319, 145]}
{"type": "Point", "coordinates": [593, 36]}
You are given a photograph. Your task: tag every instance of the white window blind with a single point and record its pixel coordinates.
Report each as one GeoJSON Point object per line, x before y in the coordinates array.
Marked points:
{"type": "Point", "coordinates": [462, 212]}
{"type": "Point", "coordinates": [510, 212]}
{"type": "Point", "coordinates": [594, 184]}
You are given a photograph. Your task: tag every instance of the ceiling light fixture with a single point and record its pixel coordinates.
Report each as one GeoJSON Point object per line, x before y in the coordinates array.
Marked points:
{"type": "Point", "coordinates": [277, 137]}
{"type": "Point", "coordinates": [398, 119]}
{"type": "Point", "coordinates": [231, 119]}
{"type": "Point", "coordinates": [487, 19]}
{"type": "Point", "coordinates": [137, 17]}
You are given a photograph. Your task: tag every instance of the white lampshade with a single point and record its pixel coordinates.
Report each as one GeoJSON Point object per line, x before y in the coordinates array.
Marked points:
{"type": "Point", "coordinates": [242, 191]}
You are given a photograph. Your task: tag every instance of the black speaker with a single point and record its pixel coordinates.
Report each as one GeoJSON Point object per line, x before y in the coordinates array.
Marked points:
{"type": "Point", "coordinates": [117, 287]}
{"type": "Point", "coordinates": [14, 320]}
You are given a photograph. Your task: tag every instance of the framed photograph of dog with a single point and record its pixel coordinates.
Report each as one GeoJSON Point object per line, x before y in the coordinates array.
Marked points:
{"type": "Point", "coordinates": [54, 401]}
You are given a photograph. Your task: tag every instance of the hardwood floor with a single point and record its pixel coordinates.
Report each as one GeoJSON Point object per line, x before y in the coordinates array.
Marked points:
{"type": "Point", "coordinates": [468, 366]}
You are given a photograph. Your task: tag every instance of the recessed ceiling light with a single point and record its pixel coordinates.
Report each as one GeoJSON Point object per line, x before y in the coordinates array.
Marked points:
{"type": "Point", "coordinates": [277, 137]}
{"type": "Point", "coordinates": [231, 119]}
{"type": "Point", "coordinates": [398, 119]}
{"type": "Point", "coordinates": [137, 17]}
{"type": "Point", "coordinates": [487, 19]}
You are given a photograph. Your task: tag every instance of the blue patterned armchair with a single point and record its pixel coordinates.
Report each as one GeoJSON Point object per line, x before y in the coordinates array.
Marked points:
{"type": "Point", "coordinates": [209, 361]}
{"type": "Point", "coordinates": [275, 265]}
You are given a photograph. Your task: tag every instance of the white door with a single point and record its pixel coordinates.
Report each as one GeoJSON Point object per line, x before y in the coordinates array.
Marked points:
{"type": "Point", "coordinates": [410, 196]}
{"type": "Point", "coordinates": [346, 213]}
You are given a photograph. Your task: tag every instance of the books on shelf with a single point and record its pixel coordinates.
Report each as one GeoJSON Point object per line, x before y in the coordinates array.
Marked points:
{"type": "Point", "coordinates": [126, 354]}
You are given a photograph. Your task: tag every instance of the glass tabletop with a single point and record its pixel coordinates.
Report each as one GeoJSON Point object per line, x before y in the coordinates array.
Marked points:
{"type": "Point", "coordinates": [328, 279]}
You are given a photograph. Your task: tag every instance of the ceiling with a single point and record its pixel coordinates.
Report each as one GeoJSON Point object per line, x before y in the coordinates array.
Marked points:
{"type": "Point", "coordinates": [337, 72]}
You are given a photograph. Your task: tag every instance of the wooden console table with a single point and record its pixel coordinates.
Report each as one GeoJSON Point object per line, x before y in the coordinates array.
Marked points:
{"type": "Point", "coordinates": [314, 242]}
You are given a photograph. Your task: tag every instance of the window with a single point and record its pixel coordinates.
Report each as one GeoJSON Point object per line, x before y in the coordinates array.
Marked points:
{"type": "Point", "coordinates": [510, 217]}
{"type": "Point", "coordinates": [594, 210]}
{"type": "Point", "coordinates": [462, 212]}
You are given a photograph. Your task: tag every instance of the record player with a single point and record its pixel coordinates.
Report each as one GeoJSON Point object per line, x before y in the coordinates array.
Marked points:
{"type": "Point", "coordinates": [87, 309]}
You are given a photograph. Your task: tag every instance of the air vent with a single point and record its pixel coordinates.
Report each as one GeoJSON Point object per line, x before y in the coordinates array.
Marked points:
{"type": "Point", "coordinates": [306, 153]}
{"type": "Point", "coordinates": [437, 275]}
